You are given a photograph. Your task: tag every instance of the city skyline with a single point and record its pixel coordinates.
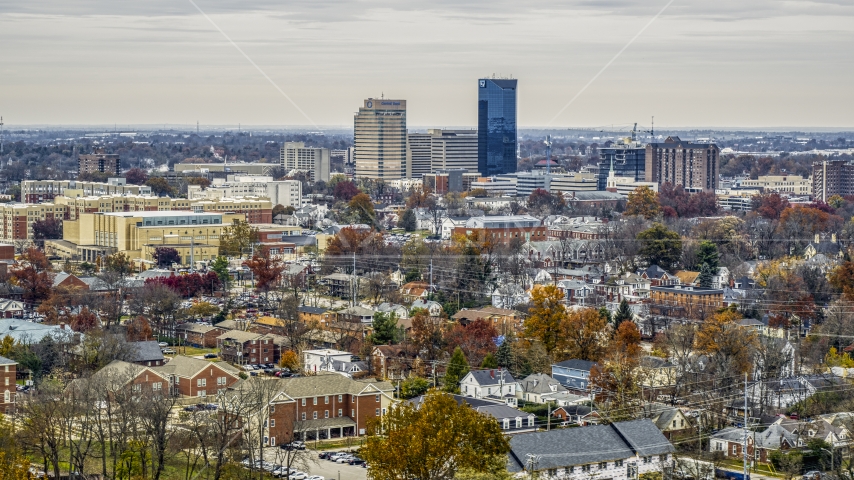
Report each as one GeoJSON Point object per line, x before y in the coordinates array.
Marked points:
{"type": "Point", "coordinates": [761, 65]}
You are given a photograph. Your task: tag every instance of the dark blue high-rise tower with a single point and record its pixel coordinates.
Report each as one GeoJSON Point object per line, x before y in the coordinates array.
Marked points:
{"type": "Point", "coordinates": [496, 126]}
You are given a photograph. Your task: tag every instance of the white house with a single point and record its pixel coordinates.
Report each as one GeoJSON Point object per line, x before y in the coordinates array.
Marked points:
{"type": "Point", "coordinates": [324, 360]}
{"type": "Point", "coordinates": [433, 308]}
{"type": "Point", "coordinates": [496, 384]}
{"type": "Point", "coordinates": [536, 387]}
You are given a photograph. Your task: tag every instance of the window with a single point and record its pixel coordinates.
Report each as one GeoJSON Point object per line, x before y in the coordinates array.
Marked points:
{"type": "Point", "coordinates": [326, 414]}
{"type": "Point", "coordinates": [618, 463]}
{"type": "Point", "coordinates": [352, 413]}
{"type": "Point", "coordinates": [272, 408]}
{"type": "Point", "coordinates": [585, 468]}
{"type": "Point", "coordinates": [340, 398]}
{"type": "Point", "coordinates": [530, 421]}
{"type": "Point", "coordinates": [272, 441]}
{"type": "Point", "coordinates": [203, 393]}
{"type": "Point", "coordinates": [340, 413]}
{"type": "Point", "coordinates": [603, 465]}
{"type": "Point", "coordinates": [378, 398]}
{"type": "Point", "coordinates": [314, 415]}
{"type": "Point", "coordinates": [202, 382]}
{"type": "Point", "coordinates": [506, 424]}
{"type": "Point", "coordinates": [303, 415]}
{"type": "Point", "coordinates": [647, 459]}
{"type": "Point", "coordinates": [155, 386]}
{"type": "Point", "coordinates": [735, 449]}
{"type": "Point", "coordinates": [377, 412]}
{"type": "Point", "coordinates": [303, 403]}
{"type": "Point", "coordinates": [314, 400]}
{"type": "Point", "coordinates": [662, 458]}
{"type": "Point", "coordinates": [553, 472]}
{"type": "Point", "coordinates": [518, 423]}
{"type": "Point", "coordinates": [137, 388]}
{"type": "Point", "coordinates": [272, 423]}
{"type": "Point", "coordinates": [326, 400]}
{"type": "Point", "coordinates": [568, 470]}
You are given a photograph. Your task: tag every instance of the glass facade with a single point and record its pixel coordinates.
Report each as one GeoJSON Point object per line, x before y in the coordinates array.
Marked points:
{"type": "Point", "coordinates": [629, 161]}
{"type": "Point", "coordinates": [496, 126]}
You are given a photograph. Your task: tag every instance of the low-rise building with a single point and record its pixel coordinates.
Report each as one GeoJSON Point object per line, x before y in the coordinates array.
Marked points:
{"type": "Point", "coordinates": [573, 374]}
{"type": "Point", "coordinates": [193, 377]}
{"type": "Point", "coordinates": [537, 387]}
{"type": "Point", "coordinates": [494, 383]}
{"type": "Point", "coordinates": [8, 378]}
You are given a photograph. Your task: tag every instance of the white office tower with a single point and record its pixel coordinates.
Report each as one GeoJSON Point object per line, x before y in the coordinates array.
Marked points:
{"type": "Point", "coordinates": [380, 139]}
{"type": "Point", "coordinates": [314, 161]}
{"type": "Point", "coordinates": [453, 150]}
{"type": "Point", "coordinates": [417, 155]}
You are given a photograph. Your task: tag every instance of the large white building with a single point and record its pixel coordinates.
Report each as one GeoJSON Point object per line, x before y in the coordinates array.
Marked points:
{"type": "Point", "coordinates": [380, 139]}
{"type": "Point", "coordinates": [287, 193]}
{"type": "Point", "coordinates": [314, 161]}
{"type": "Point", "coordinates": [453, 149]}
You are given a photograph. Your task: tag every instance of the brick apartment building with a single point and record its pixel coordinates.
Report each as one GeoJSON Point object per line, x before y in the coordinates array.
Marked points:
{"type": "Point", "coordinates": [8, 377]}
{"type": "Point", "coordinates": [193, 377]}
{"type": "Point", "coordinates": [502, 229]}
{"type": "Point", "coordinates": [694, 166]}
{"type": "Point", "coordinates": [325, 406]}
{"type": "Point", "coordinates": [685, 301]}
{"type": "Point", "coordinates": [832, 177]}
{"type": "Point", "coordinates": [99, 162]}
{"type": "Point", "coordinates": [243, 348]}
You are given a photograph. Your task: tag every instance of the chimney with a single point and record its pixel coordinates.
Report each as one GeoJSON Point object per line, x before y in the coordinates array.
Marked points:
{"type": "Point", "coordinates": [492, 374]}
{"type": "Point", "coordinates": [833, 237]}
{"type": "Point", "coordinates": [817, 240]}
{"type": "Point", "coordinates": [62, 326]}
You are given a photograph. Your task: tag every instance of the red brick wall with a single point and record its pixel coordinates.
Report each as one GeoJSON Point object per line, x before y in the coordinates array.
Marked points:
{"type": "Point", "coordinates": [362, 410]}
{"type": "Point", "coordinates": [190, 386]}
{"type": "Point", "coordinates": [7, 384]}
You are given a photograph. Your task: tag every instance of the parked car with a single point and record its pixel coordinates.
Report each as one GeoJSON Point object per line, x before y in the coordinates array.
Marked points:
{"type": "Point", "coordinates": [295, 445]}
{"type": "Point", "coordinates": [210, 355]}
{"type": "Point", "coordinates": [356, 461]}
{"type": "Point", "coordinates": [162, 344]}
{"type": "Point", "coordinates": [325, 455]}
{"type": "Point", "coordinates": [344, 459]}
{"type": "Point", "coordinates": [812, 475]}
{"type": "Point", "coordinates": [315, 477]}
{"type": "Point", "coordinates": [168, 351]}
{"type": "Point", "coordinates": [298, 476]}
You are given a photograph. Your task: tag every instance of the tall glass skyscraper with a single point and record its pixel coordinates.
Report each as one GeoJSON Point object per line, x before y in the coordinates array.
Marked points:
{"type": "Point", "coordinates": [496, 126]}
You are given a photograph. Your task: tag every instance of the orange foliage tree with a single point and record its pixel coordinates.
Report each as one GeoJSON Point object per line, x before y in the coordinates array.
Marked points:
{"type": "Point", "coordinates": [33, 275]}
{"type": "Point", "coordinates": [728, 345]}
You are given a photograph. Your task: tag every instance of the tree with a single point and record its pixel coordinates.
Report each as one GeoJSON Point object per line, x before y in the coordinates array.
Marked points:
{"type": "Point", "coordinates": [266, 271]}
{"type": "Point", "coordinates": [477, 339]}
{"type": "Point", "coordinates": [203, 310]}
{"type": "Point", "coordinates": [426, 335]}
{"type": "Point", "coordinates": [220, 267]}
{"type": "Point", "coordinates": [623, 314]}
{"type": "Point", "coordinates": [770, 205]}
{"type": "Point", "coordinates": [408, 221]}
{"type": "Point", "coordinates": [489, 362]}
{"type": "Point", "coordinates": [280, 209]}
{"type": "Point", "coordinates": [138, 329]}
{"type": "Point", "coordinates": [707, 252]}
{"type": "Point", "coordinates": [643, 201]}
{"type": "Point", "coordinates": [48, 229]}
{"type": "Point", "coordinates": [704, 279]}
{"type": "Point", "coordinates": [84, 321]}
{"type": "Point", "coordinates": [237, 239]}
{"type": "Point", "coordinates": [386, 331]}
{"type": "Point", "coordinates": [166, 256]}
{"type": "Point", "coordinates": [660, 246]}
{"type": "Point", "coordinates": [413, 387]}
{"type": "Point", "coordinates": [546, 315]}
{"type": "Point", "coordinates": [545, 202]}
{"type": "Point", "coordinates": [362, 208]}
{"type": "Point", "coordinates": [728, 344]}
{"type": "Point", "coordinates": [584, 334]}
{"type": "Point", "coordinates": [33, 275]}
{"type": "Point", "coordinates": [136, 176]}
{"type": "Point", "coordinates": [432, 440]}
{"type": "Point", "coordinates": [345, 191]}
{"type": "Point", "coordinates": [458, 367]}
{"type": "Point", "coordinates": [159, 186]}
{"type": "Point", "coordinates": [616, 375]}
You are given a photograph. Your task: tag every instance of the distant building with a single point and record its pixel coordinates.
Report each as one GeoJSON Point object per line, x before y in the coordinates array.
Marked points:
{"type": "Point", "coordinates": [108, 163]}
{"type": "Point", "coordinates": [380, 139]}
{"type": "Point", "coordinates": [789, 184]}
{"type": "Point", "coordinates": [453, 150]}
{"type": "Point", "coordinates": [502, 229]}
{"type": "Point", "coordinates": [314, 161]}
{"type": "Point", "coordinates": [417, 155]}
{"type": "Point", "coordinates": [832, 177]}
{"type": "Point", "coordinates": [36, 191]}
{"type": "Point", "coordinates": [496, 126]}
{"type": "Point", "coordinates": [694, 166]}
{"type": "Point", "coordinates": [573, 182]}
{"type": "Point", "coordinates": [628, 160]}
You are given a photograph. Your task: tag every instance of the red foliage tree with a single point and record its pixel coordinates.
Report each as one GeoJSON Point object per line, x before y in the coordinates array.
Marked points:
{"type": "Point", "coordinates": [477, 339]}
{"type": "Point", "coordinates": [33, 276]}
{"type": "Point", "coordinates": [190, 285]}
{"type": "Point", "coordinates": [351, 240]}
{"type": "Point", "coordinates": [136, 176]}
{"type": "Point", "coordinates": [808, 220]}
{"type": "Point", "coordinates": [345, 191]}
{"type": "Point", "coordinates": [677, 202]}
{"type": "Point", "coordinates": [138, 330]}
{"type": "Point", "coordinates": [267, 271]}
{"type": "Point", "coordinates": [84, 321]}
{"type": "Point", "coordinates": [770, 205]}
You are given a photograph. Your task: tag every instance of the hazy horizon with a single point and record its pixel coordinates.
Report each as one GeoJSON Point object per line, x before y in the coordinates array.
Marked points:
{"type": "Point", "coordinates": [762, 65]}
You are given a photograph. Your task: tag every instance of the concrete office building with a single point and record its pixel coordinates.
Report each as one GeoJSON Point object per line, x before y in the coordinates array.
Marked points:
{"type": "Point", "coordinates": [287, 193]}
{"type": "Point", "coordinates": [527, 182]}
{"type": "Point", "coordinates": [314, 161]}
{"type": "Point", "coordinates": [35, 191]}
{"type": "Point", "coordinates": [788, 184]}
{"type": "Point", "coordinates": [832, 177]}
{"type": "Point", "coordinates": [380, 139]}
{"type": "Point", "coordinates": [226, 168]}
{"type": "Point", "coordinates": [496, 126]}
{"type": "Point", "coordinates": [454, 150]}
{"type": "Point", "coordinates": [417, 155]}
{"type": "Point", "coordinates": [99, 162]}
{"type": "Point", "coordinates": [573, 182]}
{"type": "Point", "coordinates": [694, 166]}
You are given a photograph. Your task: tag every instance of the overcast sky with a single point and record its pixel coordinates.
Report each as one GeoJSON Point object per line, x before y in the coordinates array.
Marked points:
{"type": "Point", "coordinates": [746, 63]}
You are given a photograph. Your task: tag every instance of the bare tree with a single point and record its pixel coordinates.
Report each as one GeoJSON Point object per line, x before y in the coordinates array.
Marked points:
{"type": "Point", "coordinates": [154, 411]}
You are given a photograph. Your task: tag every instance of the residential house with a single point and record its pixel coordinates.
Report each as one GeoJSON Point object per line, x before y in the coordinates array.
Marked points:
{"type": "Point", "coordinates": [829, 248]}
{"type": "Point", "coordinates": [193, 377]}
{"type": "Point", "coordinates": [241, 348]}
{"type": "Point", "coordinates": [8, 377]}
{"type": "Point", "coordinates": [509, 295]}
{"type": "Point", "coordinates": [730, 442]}
{"type": "Point", "coordinates": [656, 372]}
{"type": "Point", "coordinates": [685, 301]}
{"type": "Point", "coordinates": [315, 315]}
{"type": "Point", "coordinates": [340, 284]}
{"type": "Point", "coordinates": [575, 291]}
{"type": "Point", "coordinates": [503, 319]}
{"type": "Point", "coordinates": [511, 420]}
{"type": "Point", "coordinates": [349, 368]}
{"type": "Point", "coordinates": [618, 451]}
{"type": "Point", "coordinates": [687, 277]}
{"type": "Point", "coordinates": [391, 360]}
{"type": "Point", "coordinates": [536, 386]}
{"type": "Point", "coordinates": [29, 333]}
{"type": "Point", "coordinates": [577, 414]}
{"type": "Point", "coordinates": [564, 398]}
{"type": "Point", "coordinates": [434, 309]}
{"type": "Point", "coordinates": [142, 380]}
{"type": "Point", "coordinates": [145, 353]}
{"type": "Point", "coordinates": [392, 308]}
{"type": "Point", "coordinates": [670, 420]}
{"type": "Point", "coordinates": [11, 308]}
{"type": "Point", "coordinates": [322, 406]}
{"type": "Point", "coordinates": [494, 383]}
{"type": "Point", "coordinates": [356, 314]}
{"type": "Point", "coordinates": [573, 374]}
{"type": "Point", "coordinates": [199, 335]}
{"type": "Point", "coordinates": [413, 291]}
{"type": "Point", "coordinates": [321, 360]}
{"type": "Point", "coordinates": [657, 276]}
{"type": "Point", "coordinates": [721, 278]}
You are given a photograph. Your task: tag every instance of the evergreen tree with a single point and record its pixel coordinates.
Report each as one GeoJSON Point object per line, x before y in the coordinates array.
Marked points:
{"type": "Point", "coordinates": [489, 361]}
{"type": "Point", "coordinates": [458, 367]}
{"type": "Point", "coordinates": [623, 314]}
{"type": "Point", "coordinates": [605, 314]}
{"type": "Point", "coordinates": [386, 330]}
{"type": "Point", "coordinates": [408, 221]}
{"type": "Point", "coordinates": [704, 280]}
{"type": "Point", "coordinates": [504, 354]}
{"type": "Point", "coordinates": [708, 253]}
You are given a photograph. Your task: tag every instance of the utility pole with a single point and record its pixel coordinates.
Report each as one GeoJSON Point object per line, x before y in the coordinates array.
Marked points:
{"type": "Point", "coordinates": [549, 419]}
{"type": "Point", "coordinates": [434, 372]}
{"type": "Point", "coordinates": [353, 281]}
{"type": "Point", "coordinates": [745, 426]}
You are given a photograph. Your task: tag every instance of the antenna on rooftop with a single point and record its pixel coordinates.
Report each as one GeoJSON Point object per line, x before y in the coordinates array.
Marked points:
{"type": "Point", "coordinates": [548, 143]}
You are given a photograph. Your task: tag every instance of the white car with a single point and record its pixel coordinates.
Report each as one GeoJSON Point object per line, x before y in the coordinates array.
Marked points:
{"type": "Point", "coordinates": [315, 477]}
{"type": "Point", "coordinates": [298, 476]}
{"type": "Point", "coordinates": [344, 459]}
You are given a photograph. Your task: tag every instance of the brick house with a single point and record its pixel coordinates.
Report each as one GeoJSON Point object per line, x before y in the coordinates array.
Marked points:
{"type": "Point", "coordinates": [193, 377]}
{"type": "Point", "coordinates": [140, 379]}
{"type": "Point", "coordinates": [242, 348]}
{"type": "Point", "coordinates": [323, 406]}
{"type": "Point", "coordinates": [8, 372]}
{"type": "Point", "coordinates": [200, 335]}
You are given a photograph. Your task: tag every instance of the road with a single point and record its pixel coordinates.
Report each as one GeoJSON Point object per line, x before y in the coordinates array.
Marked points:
{"type": "Point", "coordinates": [329, 470]}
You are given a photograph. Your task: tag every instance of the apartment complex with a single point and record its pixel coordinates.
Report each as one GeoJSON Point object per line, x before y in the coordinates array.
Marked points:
{"type": "Point", "coordinates": [694, 166]}
{"type": "Point", "coordinates": [34, 191]}
{"type": "Point", "coordinates": [314, 161]}
{"type": "Point", "coordinates": [380, 139]}
{"type": "Point", "coordinates": [832, 177]}
{"type": "Point", "coordinates": [227, 167]}
{"type": "Point", "coordinates": [194, 235]}
{"type": "Point", "coordinates": [501, 229]}
{"type": "Point", "coordinates": [99, 163]}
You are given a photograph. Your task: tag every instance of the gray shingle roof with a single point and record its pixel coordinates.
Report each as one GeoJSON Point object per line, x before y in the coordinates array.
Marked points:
{"type": "Point", "coordinates": [540, 383]}
{"type": "Point", "coordinates": [188, 367]}
{"type": "Point", "coordinates": [492, 377]}
{"type": "Point", "coordinates": [148, 351]}
{"type": "Point", "coordinates": [575, 364]}
{"type": "Point", "coordinates": [579, 446]}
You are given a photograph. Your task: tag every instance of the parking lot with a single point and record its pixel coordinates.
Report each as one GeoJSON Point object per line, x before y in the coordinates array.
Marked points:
{"type": "Point", "coordinates": [325, 468]}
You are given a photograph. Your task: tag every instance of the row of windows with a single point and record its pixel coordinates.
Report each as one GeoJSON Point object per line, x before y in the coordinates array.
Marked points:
{"type": "Point", "coordinates": [340, 399]}
{"type": "Point", "coordinates": [604, 465]}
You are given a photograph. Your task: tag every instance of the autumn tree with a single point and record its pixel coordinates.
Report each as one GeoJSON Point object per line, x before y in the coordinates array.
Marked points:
{"type": "Point", "coordinates": [660, 246]}
{"type": "Point", "coordinates": [546, 316]}
{"type": "Point", "coordinates": [159, 186]}
{"type": "Point", "coordinates": [427, 335]}
{"type": "Point", "coordinates": [237, 239]}
{"type": "Point", "coordinates": [728, 344]}
{"type": "Point", "coordinates": [362, 208]}
{"type": "Point", "coordinates": [166, 256]}
{"type": "Point", "coordinates": [48, 229]}
{"type": "Point", "coordinates": [770, 205]}
{"type": "Point", "coordinates": [432, 440]}
{"type": "Point", "coordinates": [84, 321]}
{"type": "Point", "coordinates": [616, 375]}
{"type": "Point", "coordinates": [136, 176]}
{"type": "Point", "coordinates": [137, 329]}
{"type": "Point", "coordinates": [345, 190]}
{"type": "Point", "coordinates": [33, 274]}
{"type": "Point", "coordinates": [477, 339]}
{"type": "Point", "coordinates": [546, 203]}
{"type": "Point", "coordinates": [643, 201]}
{"type": "Point", "coordinates": [584, 334]}
{"type": "Point", "coordinates": [266, 271]}
{"type": "Point", "coordinates": [458, 367]}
